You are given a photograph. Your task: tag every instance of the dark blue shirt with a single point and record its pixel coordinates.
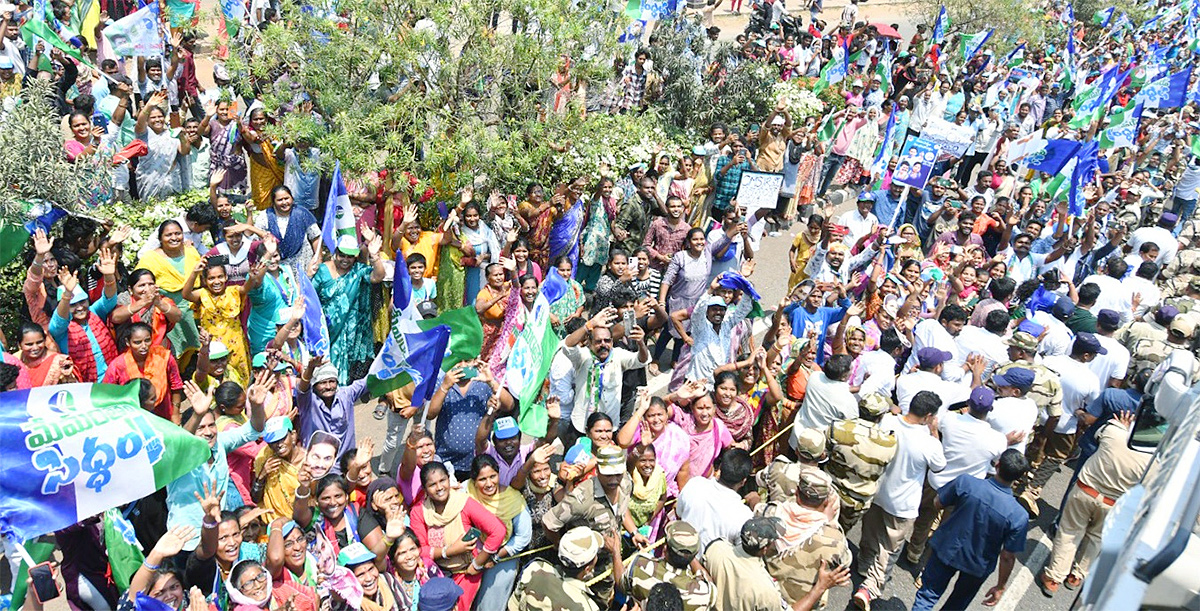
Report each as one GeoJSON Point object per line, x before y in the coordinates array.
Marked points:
{"type": "Point", "coordinates": [1110, 403]}
{"type": "Point", "coordinates": [802, 321]}
{"type": "Point", "coordinates": [885, 208]}
{"type": "Point", "coordinates": [985, 519]}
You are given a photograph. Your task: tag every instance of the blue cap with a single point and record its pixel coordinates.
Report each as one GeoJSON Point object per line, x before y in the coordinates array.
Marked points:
{"type": "Point", "coordinates": [1031, 327]}
{"type": "Point", "coordinates": [1017, 377]}
{"type": "Point", "coordinates": [1086, 342]}
{"type": "Point", "coordinates": [1063, 308]}
{"type": "Point", "coordinates": [576, 455]}
{"type": "Point", "coordinates": [355, 554]}
{"type": "Point", "coordinates": [289, 527]}
{"type": "Point", "coordinates": [932, 357]}
{"type": "Point", "coordinates": [981, 399]}
{"type": "Point", "coordinates": [6, 63]}
{"type": "Point", "coordinates": [505, 428]}
{"type": "Point", "coordinates": [1109, 320]}
{"type": "Point", "coordinates": [276, 429]}
{"type": "Point", "coordinates": [439, 594]}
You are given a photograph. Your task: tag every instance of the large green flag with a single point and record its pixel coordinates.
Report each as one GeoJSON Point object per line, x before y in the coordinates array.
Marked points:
{"type": "Point", "coordinates": [124, 551]}
{"type": "Point", "coordinates": [833, 73]}
{"type": "Point", "coordinates": [1122, 127]}
{"type": "Point", "coordinates": [39, 29]}
{"type": "Point", "coordinates": [466, 335]}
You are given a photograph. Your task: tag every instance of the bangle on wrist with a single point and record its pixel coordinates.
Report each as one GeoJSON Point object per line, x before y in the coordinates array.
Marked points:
{"type": "Point", "coordinates": [151, 567]}
{"type": "Point", "coordinates": [443, 553]}
{"type": "Point", "coordinates": [208, 525]}
{"type": "Point", "coordinates": [307, 493]}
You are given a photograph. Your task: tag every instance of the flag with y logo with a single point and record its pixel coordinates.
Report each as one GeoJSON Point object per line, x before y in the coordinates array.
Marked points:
{"type": "Point", "coordinates": [339, 218]}
{"type": "Point", "coordinates": [466, 334]}
{"type": "Point", "coordinates": [833, 73]}
{"type": "Point", "coordinates": [1103, 17]}
{"type": "Point", "coordinates": [885, 148]}
{"type": "Point", "coordinates": [138, 34]}
{"type": "Point", "coordinates": [73, 451]}
{"type": "Point", "coordinates": [529, 360]}
{"type": "Point", "coordinates": [1086, 163]}
{"type": "Point", "coordinates": [409, 355]}
{"type": "Point", "coordinates": [940, 25]}
{"type": "Point", "coordinates": [1168, 91]}
{"type": "Point", "coordinates": [1049, 156]}
{"type": "Point", "coordinates": [971, 44]}
{"type": "Point", "coordinates": [1122, 127]}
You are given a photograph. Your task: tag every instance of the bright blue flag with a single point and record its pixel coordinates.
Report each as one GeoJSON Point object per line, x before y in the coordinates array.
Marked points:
{"type": "Point", "coordinates": [339, 218]}
{"type": "Point", "coordinates": [1071, 53]}
{"type": "Point", "coordinates": [940, 26]}
{"type": "Point", "coordinates": [1104, 16]}
{"type": "Point", "coordinates": [1085, 170]}
{"type": "Point", "coordinates": [737, 282]}
{"type": "Point", "coordinates": [1052, 156]}
{"type": "Point", "coordinates": [47, 216]}
{"type": "Point", "coordinates": [1122, 23]}
{"type": "Point", "coordinates": [141, 602]}
{"type": "Point", "coordinates": [1068, 16]}
{"type": "Point", "coordinates": [1041, 300]}
{"type": "Point", "coordinates": [1169, 91]}
{"type": "Point", "coordinates": [1017, 53]}
{"type": "Point", "coordinates": [406, 357]}
{"type": "Point", "coordinates": [1151, 24]}
{"type": "Point", "coordinates": [401, 284]}
{"type": "Point", "coordinates": [316, 330]}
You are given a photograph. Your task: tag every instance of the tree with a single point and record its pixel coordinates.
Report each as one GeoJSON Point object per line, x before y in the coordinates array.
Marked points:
{"type": "Point", "coordinates": [433, 87]}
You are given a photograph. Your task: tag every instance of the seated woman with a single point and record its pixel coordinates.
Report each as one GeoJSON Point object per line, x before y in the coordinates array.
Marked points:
{"type": "Point", "coordinates": [443, 523]}
{"type": "Point", "coordinates": [145, 360]}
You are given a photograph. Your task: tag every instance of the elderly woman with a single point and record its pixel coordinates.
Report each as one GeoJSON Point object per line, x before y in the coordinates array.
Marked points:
{"type": "Point", "coordinates": [171, 265]}
{"type": "Point", "coordinates": [159, 171]}
{"type": "Point", "coordinates": [343, 285]}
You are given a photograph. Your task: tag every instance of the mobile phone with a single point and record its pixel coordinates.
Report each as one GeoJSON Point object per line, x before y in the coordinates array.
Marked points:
{"type": "Point", "coordinates": [839, 230]}
{"type": "Point", "coordinates": [218, 260]}
{"type": "Point", "coordinates": [472, 535]}
{"type": "Point", "coordinates": [44, 586]}
{"type": "Point", "coordinates": [629, 320]}
{"type": "Point", "coordinates": [469, 372]}
{"type": "Point", "coordinates": [955, 203]}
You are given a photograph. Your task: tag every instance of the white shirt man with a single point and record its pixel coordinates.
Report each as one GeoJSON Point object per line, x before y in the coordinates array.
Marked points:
{"type": "Point", "coordinates": [827, 399]}
{"type": "Point", "coordinates": [977, 340]}
{"type": "Point", "coordinates": [858, 223]}
{"type": "Point", "coordinates": [968, 441]}
{"type": "Point", "coordinates": [1114, 295]}
{"type": "Point", "coordinates": [598, 376]}
{"type": "Point", "coordinates": [931, 333]}
{"type": "Point", "coordinates": [917, 452]}
{"type": "Point", "coordinates": [1013, 411]}
{"type": "Point", "coordinates": [716, 511]}
{"type": "Point", "coordinates": [1080, 385]}
{"type": "Point", "coordinates": [1168, 245]}
{"type": "Point", "coordinates": [1115, 364]}
{"type": "Point", "coordinates": [873, 372]}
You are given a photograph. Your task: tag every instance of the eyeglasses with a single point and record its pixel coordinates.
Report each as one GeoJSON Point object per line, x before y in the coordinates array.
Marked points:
{"type": "Point", "coordinates": [260, 579]}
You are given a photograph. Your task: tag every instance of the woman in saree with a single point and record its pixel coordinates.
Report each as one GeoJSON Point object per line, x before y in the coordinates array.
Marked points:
{"type": "Point", "coordinates": [146, 304]}
{"type": "Point", "coordinates": [159, 170]}
{"type": "Point", "coordinates": [294, 227]}
{"type": "Point", "coordinates": [484, 247]}
{"type": "Point", "coordinates": [861, 153]}
{"type": "Point", "coordinates": [45, 368]}
{"type": "Point", "coordinates": [270, 287]}
{"type": "Point", "coordinates": [343, 285]}
{"type": "Point", "coordinates": [219, 309]}
{"type": "Point", "coordinates": [442, 519]}
{"type": "Point", "coordinates": [224, 131]}
{"type": "Point", "coordinates": [597, 236]}
{"type": "Point", "coordinates": [505, 503]}
{"type": "Point", "coordinates": [143, 359]}
{"type": "Point", "coordinates": [266, 172]}
{"type": "Point", "coordinates": [798, 364]}
{"type": "Point", "coordinates": [171, 265]}
{"type": "Point", "coordinates": [564, 235]}
{"type": "Point", "coordinates": [572, 302]}
{"type": "Point", "coordinates": [491, 303]}
{"type": "Point", "coordinates": [651, 424]}
{"type": "Point", "coordinates": [539, 215]}
{"type": "Point", "coordinates": [517, 310]}
{"type": "Point", "coordinates": [707, 434]}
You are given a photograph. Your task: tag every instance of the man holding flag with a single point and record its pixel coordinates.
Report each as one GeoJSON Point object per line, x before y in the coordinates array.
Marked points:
{"type": "Point", "coordinates": [599, 367]}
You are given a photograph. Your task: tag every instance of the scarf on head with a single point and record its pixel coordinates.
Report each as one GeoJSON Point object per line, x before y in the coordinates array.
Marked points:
{"type": "Point", "coordinates": [450, 521]}
{"type": "Point", "coordinates": [237, 598]}
{"type": "Point", "coordinates": [299, 220]}
{"type": "Point", "coordinates": [506, 504]}
{"type": "Point", "coordinates": [799, 525]}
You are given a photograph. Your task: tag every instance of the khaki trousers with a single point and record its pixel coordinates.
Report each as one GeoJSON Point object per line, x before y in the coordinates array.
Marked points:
{"type": "Point", "coordinates": [883, 535]}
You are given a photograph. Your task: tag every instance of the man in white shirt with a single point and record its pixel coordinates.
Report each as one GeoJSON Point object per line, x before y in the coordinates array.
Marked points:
{"type": "Point", "coordinates": [1014, 411]}
{"type": "Point", "coordinates": [1112, 366]}
{"type": "Point", "coordinates": [1058, 338]}
{"type": "Point", "coordinates": [890, 519]}
{"type": "Point", "coordinates": [940, 334]}
{"type": "Point", "coordinates": [970, 445]}
{"type": "Point", "coordinates": [1114, 294]}
{"type": "Point", "coordinates": [599, 367]}
{"type": "Point", "coordinates": [828, 398]}
{"type": "Point", "coordinates": [1080, 387]}
{"type": "Point", "coordinates": [929, 376]}
{"type": "Point", "coordinates": [860, 221]}
{"type": "Point", "coordinates": [1141, 283]}
{"type": "Point", "coordinates": [1161, 234]}
{"type": "Point", "coordinates": [874, 372]}
{"type": "Point", "coordinates": [713, 505]}
{"type": "Point", "coordinates": [986, 341]}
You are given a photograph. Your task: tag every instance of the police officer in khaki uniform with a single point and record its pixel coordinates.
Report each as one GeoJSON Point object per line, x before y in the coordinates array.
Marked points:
{"type": "Point", "coordinates": [600, 504]}
{"type": "Point", "coordinates": [1153, 329]}
{"type": "Point", "coordinates": [683, 544]}
{"type": "Point", "coordinates": [781, 477]}
{"type": "Point", "coordinates": [545, 587]}
{"type": "Point", "coordinates": [810, 536]}
{"type": "Point", "coordinates": [1183, 296]}
{"type": "Point", "coordinates": [1046, 391]}
{"type": "Point", "coordinates": [859, 452]}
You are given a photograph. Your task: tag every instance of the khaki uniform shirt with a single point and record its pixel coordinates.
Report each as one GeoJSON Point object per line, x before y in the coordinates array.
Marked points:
{"type": "Point", "coordinates": [1046, 391]}
{"type": "Point", "coordinates": [644, 573]}
{"type": "Point", "coordinates": [859, 452]}
{"type": "Point", "coordinates": [543, 588]}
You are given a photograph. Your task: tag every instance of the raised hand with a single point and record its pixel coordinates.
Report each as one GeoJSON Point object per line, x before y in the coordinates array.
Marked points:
{"type": "Point", "coordinates": [201, 403]}
{"type": "Point", "coordinates": [41, 242]}
{"type": "Point", "coordinates": [218, 174]}
{"type": "Point", "coordinates": [210, 502]}
{"type": "Point", "coordinates": [67, 280]}
{"type": "Point", "coordinates": [173, 541]}
{"type": "Point", "coordinates": [553, 407]}
{"type": "Point", "coordinates": [108, 262]}
{"type": "Point", "coordinates": [196, 600]}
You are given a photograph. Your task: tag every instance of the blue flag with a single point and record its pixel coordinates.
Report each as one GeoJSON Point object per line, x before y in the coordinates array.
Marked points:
{"type": "Point", "coordinates": [1169, 91]}
{"type": "Point", "coordinates": [339, 218]}
{"type": "Point", "coordinates": [1086, 163]}
{"type": "Point", "coordinates": [940, 26]}
{"type": "Point", "coordinates": [1104, 17]}
{"type": "Point", "coordinates": [738, 282]}
{"type": "Point", "coordinates": [401, 285]}
{"type": "Point", "coordinates": [1052, 156]}
{"type": "Point", "coordinates": [409, 357]}
{"type": "Point", "coordinates": [141, 602]}
{"type": "Point", "coordinates": [47, 216]}
{"type": "Point", "coordinates": [316, 330]}
{"type": "Point", "coordinates": [1016, 54]}
{"type": "Point", "coordinates": [885, 149]}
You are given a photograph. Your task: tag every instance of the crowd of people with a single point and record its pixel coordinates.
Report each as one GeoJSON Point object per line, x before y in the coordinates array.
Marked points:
{"type": "Point", "coordinates": [951, 347]}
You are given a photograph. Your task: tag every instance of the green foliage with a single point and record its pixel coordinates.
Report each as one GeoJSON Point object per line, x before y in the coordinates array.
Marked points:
{"type": "Point", "coordinates": [144, 217]}
{"type": "Point", "coordinates": [1013, 20]}
{"type": "Point", "coordinates": [33, 165]}
{"type": "Point", "coordinates": [12, 277]}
